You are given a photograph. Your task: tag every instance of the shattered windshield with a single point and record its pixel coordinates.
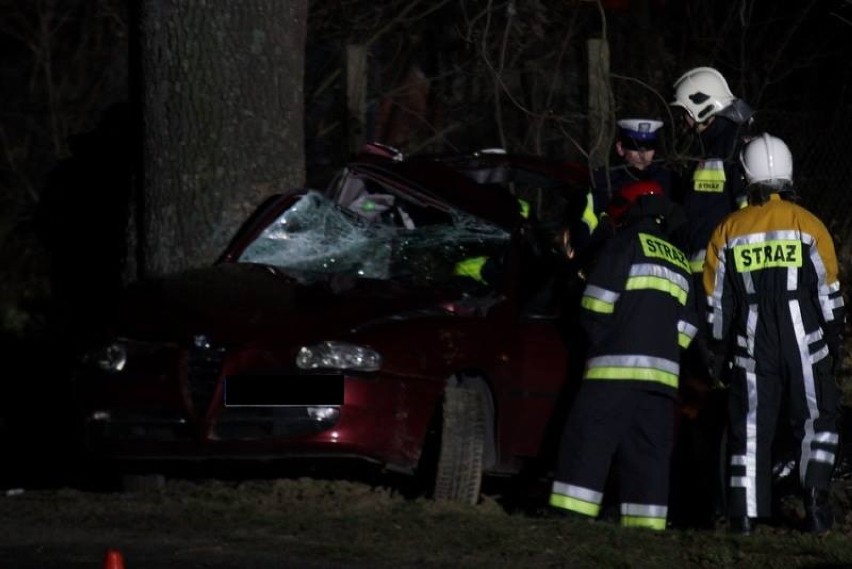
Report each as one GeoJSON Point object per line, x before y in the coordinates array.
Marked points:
{"type": "Point", "coordinates": [377, 238]}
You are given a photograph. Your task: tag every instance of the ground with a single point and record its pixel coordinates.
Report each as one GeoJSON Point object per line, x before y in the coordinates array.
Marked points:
{"type": "Point", "coordinates": [318, 523]}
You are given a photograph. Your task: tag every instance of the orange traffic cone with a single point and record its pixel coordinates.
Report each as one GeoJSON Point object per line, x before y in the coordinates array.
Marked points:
{"type": "Point", "coordinates": [113, 559]}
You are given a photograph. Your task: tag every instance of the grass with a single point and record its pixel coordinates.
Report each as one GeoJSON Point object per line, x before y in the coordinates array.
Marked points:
{"type": "Point", "coordinates": [354, 523]}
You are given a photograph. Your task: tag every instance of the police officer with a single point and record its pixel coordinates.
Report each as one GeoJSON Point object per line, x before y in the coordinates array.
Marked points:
{"type": "Point", "coordinates": [637, 315]}
{"type": "Point", "coordinates": [776, 313]}
{"type": "Point", "coordinates": [636, 144]}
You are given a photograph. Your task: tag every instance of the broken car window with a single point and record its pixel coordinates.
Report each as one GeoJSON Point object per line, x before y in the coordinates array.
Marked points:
{"type": "Point", "coordinates": [374, 238]}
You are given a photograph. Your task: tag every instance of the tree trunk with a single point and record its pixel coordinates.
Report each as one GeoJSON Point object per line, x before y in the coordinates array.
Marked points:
{"type": "Point", "coordinates": [601, 124]}
{"type": "Point", "coordinates": [223, 120]}
{"type": "Point", "coordinates": [356, 94]}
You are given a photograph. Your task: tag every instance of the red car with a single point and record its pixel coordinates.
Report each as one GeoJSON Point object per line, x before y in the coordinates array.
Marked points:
{"type": "Point", "coordinates": [407, 315]}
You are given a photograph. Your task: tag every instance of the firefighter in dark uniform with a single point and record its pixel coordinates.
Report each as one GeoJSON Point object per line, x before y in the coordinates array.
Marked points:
{"type": "Point", "coordinates": [712, 186]}
{"type": "Point", "coordinates": [637, 315]}
{"type": "Point", "coordinates": [776, 314]}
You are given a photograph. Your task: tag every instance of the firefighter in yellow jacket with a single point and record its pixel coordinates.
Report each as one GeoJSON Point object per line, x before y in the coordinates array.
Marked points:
{"type": "Point", "coordinates": [776, 315]}
{"type": "Point", "coordinates": [637, 312]}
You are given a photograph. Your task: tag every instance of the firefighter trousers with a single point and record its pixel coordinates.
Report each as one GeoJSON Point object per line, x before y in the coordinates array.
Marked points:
{"type": "Point", "coordinates": [616, 428]}
{"type": "Point", "coordinates": [758, 393]}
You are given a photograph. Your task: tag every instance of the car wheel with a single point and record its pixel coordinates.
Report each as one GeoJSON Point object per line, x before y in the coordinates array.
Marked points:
{"type": "Point", "coordinates": [461, 451]}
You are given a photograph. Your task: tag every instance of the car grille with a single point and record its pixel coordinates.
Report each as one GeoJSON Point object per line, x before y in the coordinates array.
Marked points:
{"type": "Point", "coordinates": [265, 423]}
{"type": "Point", "coordinates": [203, 366]}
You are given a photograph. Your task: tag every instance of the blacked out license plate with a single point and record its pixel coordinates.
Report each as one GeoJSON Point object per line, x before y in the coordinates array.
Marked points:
{"type": "Point", "coordinates": [273, 390]}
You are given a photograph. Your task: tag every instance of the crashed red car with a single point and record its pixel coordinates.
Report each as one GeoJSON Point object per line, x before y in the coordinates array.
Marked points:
{"type": "Point", "coordinates": [341, 323]}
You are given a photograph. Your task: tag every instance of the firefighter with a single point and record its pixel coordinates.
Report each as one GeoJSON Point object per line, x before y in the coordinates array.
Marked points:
{"type": "Point", "coordinates": [776, 315]}
{"type": "Point", "coordinates": [637, 315]}
{"type": "Point", "coordinates": [712, 186]}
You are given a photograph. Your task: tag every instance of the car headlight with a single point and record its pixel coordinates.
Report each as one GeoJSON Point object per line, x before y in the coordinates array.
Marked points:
{"type": "Point", "coordinates": [338, 355]}
{"type": "Point", "coordinates": [111, 358]}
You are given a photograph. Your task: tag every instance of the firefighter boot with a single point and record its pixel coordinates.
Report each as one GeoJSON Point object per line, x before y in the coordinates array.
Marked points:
{"type": "Point", "coordinates": [818, 515]}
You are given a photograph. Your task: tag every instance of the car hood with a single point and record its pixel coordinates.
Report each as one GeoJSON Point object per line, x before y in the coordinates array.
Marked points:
{"type": "Point", "coordinates": [239, 304]}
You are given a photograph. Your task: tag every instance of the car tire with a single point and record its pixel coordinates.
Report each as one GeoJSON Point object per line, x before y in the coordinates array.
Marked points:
{"type": "Point", "coordinates": [461, 452]}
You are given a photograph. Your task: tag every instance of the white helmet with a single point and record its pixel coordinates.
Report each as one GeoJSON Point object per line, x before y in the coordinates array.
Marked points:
{"type": "Point", "coordinates": [702, 92]}
{"type": "Point", "coordinates": [767, 159]}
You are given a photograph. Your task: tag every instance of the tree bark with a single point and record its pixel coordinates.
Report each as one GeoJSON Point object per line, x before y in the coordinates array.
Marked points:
{"type": "Point", "coordinates": [601, 123]}
{"type": "Point", "coordinates": [223, 120]}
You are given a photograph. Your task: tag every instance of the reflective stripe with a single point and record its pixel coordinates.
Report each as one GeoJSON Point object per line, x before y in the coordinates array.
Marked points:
{"type": "Point", "coordinates": [596, 305]}
{"type": "Point", "coordinates": [751, 329]}
{"type": "Point", "coordinates": [525, 208]}
{"type": "Point", "coordinates": [823, 456]}
{"type": "Point", "coordinates": [659, 271]}
{"type": "Point", "coordinates": [636, 374]}
{"type": "Point", "coordinates": [471, 268]}
{"type": "Point", "coordinates": [696, 262]}
{"type": "Point", "coordinates": [601, 293]}
{"type": "Point", "coordinates": [644, 510]}
{"type": "Point", "coordinates": [589, 217]}
{"type": "Point", "coordinates": [633, 367]}
{"type": "Point", "coordinates": [716, 320]}
{"type": "Point", "coordinates": [658, 524]}
{"type": "Point", "coordinates": [645, 276]}
{"type": "Point", "coordinates": [827, 437]}
{"type": "Point", "coordinates": [751, 446]}
{"type": "Point", "coordinates": [579, 492]}
{"type": "Point", "coordinates": [633, 360]}
{"type": "Point", "coordinates": [686, 333]}
{"type": "Point", "coordinates": [576, 498]}
{"type": "Point", "coordinates": [814, 336]}
{"type": "Point", "coordinates": [598, 299]}
{"type": "Point", "coordinates": [575, 505]}
{"type": "Point", "coordinates": [685, 327]}
{"type": "Point", "coordinates": [819, 356]}
{"type": "Point", "coordinates": [740, 482]}
{"type": "Point", "coordinates": [709, 176]}
{"type": "Point", "coordinates": [659, 284]}
{"type": "Point", "coordinates": [747, 364]}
